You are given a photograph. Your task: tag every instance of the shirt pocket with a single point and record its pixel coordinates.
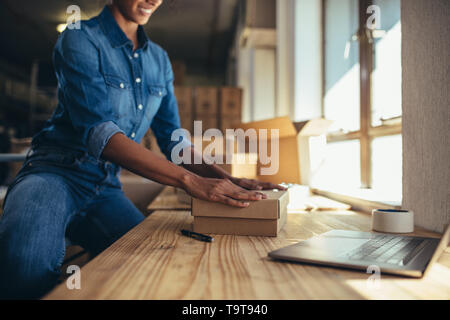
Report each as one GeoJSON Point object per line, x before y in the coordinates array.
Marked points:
{"type": "Point", "coordinates": [119, 94]}
{"type": "Point", "coordinates": [156, 94]}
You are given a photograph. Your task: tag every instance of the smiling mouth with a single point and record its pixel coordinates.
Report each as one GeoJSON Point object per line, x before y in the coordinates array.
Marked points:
{"type": "Point", "coordinates": [145, 11]}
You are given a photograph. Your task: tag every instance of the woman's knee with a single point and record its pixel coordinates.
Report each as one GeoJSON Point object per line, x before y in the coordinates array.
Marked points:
{"type": "Point", "coordinates": [28, 269]}
{"type": "Point", "coordinates": [32, 243]}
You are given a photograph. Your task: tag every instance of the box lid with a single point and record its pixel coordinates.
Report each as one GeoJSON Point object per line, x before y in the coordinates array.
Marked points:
{"type": "Point", "coordinates": [287, 128]}
{"type": "Point", "coordinates": [283, 124]}
{"type": "Point", "coordinates": [314, 127]}
{"type": "Point", "coordinates": [263, 209]}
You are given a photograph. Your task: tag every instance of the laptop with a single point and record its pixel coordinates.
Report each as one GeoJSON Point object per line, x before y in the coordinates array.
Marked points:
{"type": "Point", "coordinates": [394, 254]}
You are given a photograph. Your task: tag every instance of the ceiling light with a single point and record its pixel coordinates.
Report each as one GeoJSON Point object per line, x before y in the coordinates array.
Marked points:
{"type": "Point", "coordinates": [61, 27]}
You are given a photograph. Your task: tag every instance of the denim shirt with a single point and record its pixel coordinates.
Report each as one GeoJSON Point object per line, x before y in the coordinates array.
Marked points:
{"type": "Point", "coordinates": [105, 88]}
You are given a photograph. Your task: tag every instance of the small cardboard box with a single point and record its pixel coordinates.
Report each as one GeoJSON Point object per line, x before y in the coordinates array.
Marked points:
{"type": "Point", "coordinates": [261, 218]}
{"type": "Point", "coordinates": [206, 102]}
{"type": "Point", "coordinates": [294, 147]}
{"type": "Point", "coordinates": [230, 102]}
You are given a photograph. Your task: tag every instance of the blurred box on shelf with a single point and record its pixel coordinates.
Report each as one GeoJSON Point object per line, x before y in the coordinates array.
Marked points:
{"type": "Point", "coordinates": [208, 122]}
{"type": "Point", "coordinates": [184, 97]}
{"type": "Point", "coordinates": [187, 122]}
{"type": "Point", "coordinates": [230, 102]}
{"type": "Point", "coordinates": [261, 218]}
{"type": "Point", "coordinates": [295, 148]}
{"type": "Point", "coordinates": [206, 102]}
{"type": "Point", "coordinates": [229, 122]}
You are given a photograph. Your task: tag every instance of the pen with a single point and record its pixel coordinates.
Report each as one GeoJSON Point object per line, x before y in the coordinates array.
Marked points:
{"type": "Point", "coordinates": [197, 236]}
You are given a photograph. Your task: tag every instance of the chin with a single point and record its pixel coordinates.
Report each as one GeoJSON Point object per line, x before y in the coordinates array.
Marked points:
{"type": "Point", "coordinates": [142, 21]}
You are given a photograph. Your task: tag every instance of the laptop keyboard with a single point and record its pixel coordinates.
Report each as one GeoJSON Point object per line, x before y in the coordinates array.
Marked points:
{"type": "Point", "coordinates": [387, 249]}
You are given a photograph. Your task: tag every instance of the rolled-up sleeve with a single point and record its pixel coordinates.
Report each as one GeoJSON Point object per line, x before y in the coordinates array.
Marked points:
{"type": "Point", "coordinates": [85, 96]}
{"type": "Point", "coordinates": [167, 120]}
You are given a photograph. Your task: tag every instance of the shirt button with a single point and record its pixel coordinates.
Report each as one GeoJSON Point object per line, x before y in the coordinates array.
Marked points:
{"type": "Point", "coordinates": [160, 93]}
{"type": "Point", "coordinates": [136, 55]}
{"type": "Point", "coordinates": [140, 107]}
{"type": "Point", "coordinates": [122, 85]}
{"type": "Point", "coordinates": [138, 80]}
{"type": "Point", "coordinates": [133, 135]}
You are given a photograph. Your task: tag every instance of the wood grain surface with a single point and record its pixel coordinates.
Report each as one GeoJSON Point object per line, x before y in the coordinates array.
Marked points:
{"type": "Point", "coordinates": [167, 200]}
{"type": "Point", "coordinates": [153, 261]}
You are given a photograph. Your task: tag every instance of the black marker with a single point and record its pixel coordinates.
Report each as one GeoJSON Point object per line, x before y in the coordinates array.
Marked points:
{"type": "Point", "coordinates": [197, 236]}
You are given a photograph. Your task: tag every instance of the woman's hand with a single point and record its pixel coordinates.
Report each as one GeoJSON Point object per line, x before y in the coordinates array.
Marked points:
{"type": "Point", "coordinates": [252, 184]}
{"type": "Point", "coordinates": [220, 190]}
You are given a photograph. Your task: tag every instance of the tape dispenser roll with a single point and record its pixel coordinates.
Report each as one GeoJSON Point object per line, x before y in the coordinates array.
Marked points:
{"type": "Point", "coordinates": [392, 221]}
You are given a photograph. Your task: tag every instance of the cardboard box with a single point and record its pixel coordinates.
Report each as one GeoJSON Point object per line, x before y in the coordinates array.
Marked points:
{"type": "Point", "coordinates": [230, 102]}
{"type": "Point", "coordinates": [208, 122]}
{"type": "Point", "coordinates": [187, 122]}
{"type": "Point", "coordinates": [243, 165]}
{"type": "Point", "coordinates": [206, 102]}
{"type": "Point", "coordinates": [184, 98]}
{"type": "Point", "coordinates": [262, 218]}
{"type": "Point", "coordinates": [294, 147]}
{"type": "Point", "coordinates": [229, 122]}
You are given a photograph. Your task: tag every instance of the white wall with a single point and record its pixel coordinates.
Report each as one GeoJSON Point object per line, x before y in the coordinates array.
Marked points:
{"type": "Point", "coordinates": [244, 81]}
{"type": "Point", "coordinates": [299, 59]}
{"type": "Point", "coordinates": [263, 81]}
{"type": "Point", "coordinates": [285, 58]}
{"type": "Point", "coordinates": [256, 75]}
{"type": "Point", "coordinates": [426, 111]}
{"type": "Point", "coordinates": [308, 60]}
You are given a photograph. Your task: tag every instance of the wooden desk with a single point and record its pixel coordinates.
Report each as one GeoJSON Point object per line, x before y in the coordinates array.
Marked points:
{"type": "Point", "coordinates": [167, 200]}
{"type": "Point", "coordinates": [153, 261]}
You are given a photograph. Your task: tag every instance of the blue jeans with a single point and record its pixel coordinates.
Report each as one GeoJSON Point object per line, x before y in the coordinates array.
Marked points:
{"type": "Point", "coordinates": [58, 194]}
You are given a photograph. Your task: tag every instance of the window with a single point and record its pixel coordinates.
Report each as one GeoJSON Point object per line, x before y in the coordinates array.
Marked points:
{"type": "Point", "coordinates": [362, 95]}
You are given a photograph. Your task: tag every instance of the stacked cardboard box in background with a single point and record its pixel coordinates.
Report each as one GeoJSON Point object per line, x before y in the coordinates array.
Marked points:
{"type": "Point", "coordinates": [230, 107]}
{"type": "Point", "coordinates": [206, 107]}
{"type": "Point", "coordinates": [185, 107]}
{"type": "Point", "coordinates": [216, 107]}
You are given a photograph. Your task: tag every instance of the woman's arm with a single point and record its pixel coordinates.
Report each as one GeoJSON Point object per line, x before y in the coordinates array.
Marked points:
{"type": "Point", "coordinates": [143, 162]}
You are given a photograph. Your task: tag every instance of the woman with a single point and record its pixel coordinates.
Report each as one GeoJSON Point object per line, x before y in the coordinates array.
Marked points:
{"type": "Point", "coordinates": [113, 84]}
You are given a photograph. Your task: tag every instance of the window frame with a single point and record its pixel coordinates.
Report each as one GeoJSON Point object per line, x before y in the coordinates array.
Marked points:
{"type": "Point", "coordinates": [367, 132]}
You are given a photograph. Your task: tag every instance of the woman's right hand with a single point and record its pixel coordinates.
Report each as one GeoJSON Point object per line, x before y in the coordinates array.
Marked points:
{"type": "Point", "coordinates": [220, 190]}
